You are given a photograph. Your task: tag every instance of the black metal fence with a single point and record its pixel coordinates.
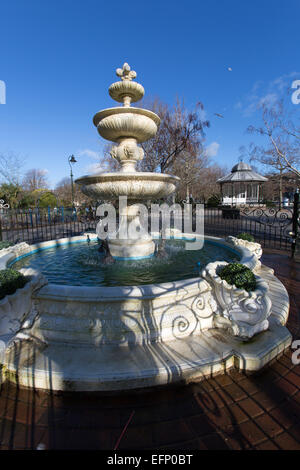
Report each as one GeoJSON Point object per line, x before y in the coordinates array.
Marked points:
{"type": "Point", "coordinates": [37, 225]}
{"type": "Point", "coordinates": [272, 227]}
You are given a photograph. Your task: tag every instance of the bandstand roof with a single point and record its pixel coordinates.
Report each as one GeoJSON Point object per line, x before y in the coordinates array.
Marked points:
{"type": "Point", "coordinates": [242, 172]}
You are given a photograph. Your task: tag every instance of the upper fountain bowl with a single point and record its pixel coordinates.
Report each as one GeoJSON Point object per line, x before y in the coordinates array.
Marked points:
{"type": "Point", "coordinates": [126, 90]}
{"type": "Point", "coordinates": [126, 122]}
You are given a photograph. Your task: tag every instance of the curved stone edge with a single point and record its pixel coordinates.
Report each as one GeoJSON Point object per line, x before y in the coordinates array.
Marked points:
{"type": "Point", "coordinates": [133, 176]}
{"type": "Point", "coordinates": [254, 247]}
{"type": "Point", "coordinates": [184, 362]}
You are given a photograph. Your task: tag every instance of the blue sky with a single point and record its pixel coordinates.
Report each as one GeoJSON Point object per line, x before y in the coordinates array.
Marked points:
{"type": "Point", "coordinates": [58, 59]}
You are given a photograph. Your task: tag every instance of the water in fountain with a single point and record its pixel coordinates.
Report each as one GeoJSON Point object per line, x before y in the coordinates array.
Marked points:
{"type": "Point", "coordinates": [82, 264]}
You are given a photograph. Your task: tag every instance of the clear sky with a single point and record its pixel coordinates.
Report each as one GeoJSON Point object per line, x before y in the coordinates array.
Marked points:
{"type": "Point", "coordinates": [59, 57]}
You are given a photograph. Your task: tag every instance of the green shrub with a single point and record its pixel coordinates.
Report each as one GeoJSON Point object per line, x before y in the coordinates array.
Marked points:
{"type": "Point", "coordinates": [246, 236]}
{"type": "Point", "coordinates": [239, 275]}
{"type": "Point", "coordinates": [10, 281]}
{"type": "Point", "coordinates": [213, 201]}
{"type": "Point", "coordinates": [5, 245]}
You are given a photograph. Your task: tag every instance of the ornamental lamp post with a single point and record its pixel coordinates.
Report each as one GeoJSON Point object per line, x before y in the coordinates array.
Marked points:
{"type": "Point", "coordinates": [71, 161]}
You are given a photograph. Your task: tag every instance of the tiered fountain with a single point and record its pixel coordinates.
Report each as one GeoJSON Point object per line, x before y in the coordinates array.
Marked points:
{"type": "Point", "coordinates": [93, 333]}
{"type": "Point", "coordinates": [128, 126]}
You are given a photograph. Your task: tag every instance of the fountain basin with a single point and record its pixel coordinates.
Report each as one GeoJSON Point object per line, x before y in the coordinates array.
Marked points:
{"type": "Point", "coordinates": [135, 186]}
{"type": "Point", "coordinates": [124, 337]}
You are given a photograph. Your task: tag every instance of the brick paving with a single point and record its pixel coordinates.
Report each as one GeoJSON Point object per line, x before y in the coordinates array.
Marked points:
{"type": "Point", "coordinates": [234, 411]}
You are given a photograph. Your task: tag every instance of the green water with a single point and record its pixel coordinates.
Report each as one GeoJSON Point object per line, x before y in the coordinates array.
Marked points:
{"type": "Point", "coordinates": [81, 264]}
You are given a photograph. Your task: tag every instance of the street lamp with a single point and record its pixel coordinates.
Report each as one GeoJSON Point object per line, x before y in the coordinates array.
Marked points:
{"type": "Point", "coordinates": [71, 161]}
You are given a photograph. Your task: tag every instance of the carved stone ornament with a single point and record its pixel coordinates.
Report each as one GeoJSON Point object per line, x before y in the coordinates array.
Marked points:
{"type": "Point", "coordinates": [243, 313]}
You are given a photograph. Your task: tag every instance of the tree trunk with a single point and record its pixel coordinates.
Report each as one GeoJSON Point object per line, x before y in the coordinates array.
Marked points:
{"type": "Point", "coordinates": [280, 189]}
{"type": "Point", "coordinates": [187, 193]}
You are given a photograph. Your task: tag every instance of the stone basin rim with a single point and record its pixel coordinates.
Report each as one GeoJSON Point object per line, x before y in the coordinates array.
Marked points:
{"type": "Point", "coordinates": [125, 110]}
{"type": "Point", "coordinates": [122, 176]}
{"type": "Point", "coordinates": [115, 293]}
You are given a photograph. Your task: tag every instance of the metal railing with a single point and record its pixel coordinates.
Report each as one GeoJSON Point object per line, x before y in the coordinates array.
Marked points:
{"type": "Point", "coordinates": [36, 225]}
{"type": "Point", "coordinates": [270, 227]}
{"type": "Point", "coordinates": [273, 227]}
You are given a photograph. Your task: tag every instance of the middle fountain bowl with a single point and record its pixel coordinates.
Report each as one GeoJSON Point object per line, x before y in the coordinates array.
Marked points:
{"type": "Point", "coordinates": [135, 186]}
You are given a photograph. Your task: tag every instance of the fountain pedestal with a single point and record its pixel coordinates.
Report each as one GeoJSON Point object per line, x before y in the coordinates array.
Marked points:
{"type": "Point", "coordinates": [132, 240]}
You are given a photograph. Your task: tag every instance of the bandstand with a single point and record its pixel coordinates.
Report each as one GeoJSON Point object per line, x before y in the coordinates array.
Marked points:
{"type": "Point", "coordinates": [241, 186]}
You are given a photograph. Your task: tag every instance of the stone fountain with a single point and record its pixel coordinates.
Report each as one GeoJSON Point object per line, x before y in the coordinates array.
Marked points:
{"type": "Point", "coordinates": [101, 338]}
{"type": "Point", "coordinates": [128, 126]}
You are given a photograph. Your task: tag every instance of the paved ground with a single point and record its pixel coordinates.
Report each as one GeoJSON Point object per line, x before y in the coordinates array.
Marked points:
{"type": "Point", "coordinates": [234, 411]}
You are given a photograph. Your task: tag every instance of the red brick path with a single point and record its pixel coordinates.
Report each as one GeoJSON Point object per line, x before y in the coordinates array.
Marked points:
{"type": "Point", "coordinates": [234, 411]}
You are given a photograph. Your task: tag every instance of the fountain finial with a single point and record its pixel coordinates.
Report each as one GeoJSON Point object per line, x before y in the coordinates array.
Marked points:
{"type": "Point", "coordinates": [125, 72]}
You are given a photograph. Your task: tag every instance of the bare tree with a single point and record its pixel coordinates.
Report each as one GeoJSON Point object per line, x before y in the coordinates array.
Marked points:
{"type": "Point", "coordinates": [179, 130]}
{"type": "Point", "coordinates": [282, 149]}
{"type": "Point", "coordinates": [178, 145]}
{"type": "Point", "coordinates": [206, 185]}
{"type": "Point", "coordinates": [287, 181]}
{"type": "Point", "coordinates": [189, 167]}
{"type": "Point", "coordinates": [63, 192]}
{"type": "Point", "coordinates": [35, 179]}
{"type": "Point", "coordinates": [10, 168]}
{"type": "Point", "coordinates": [108, 163]}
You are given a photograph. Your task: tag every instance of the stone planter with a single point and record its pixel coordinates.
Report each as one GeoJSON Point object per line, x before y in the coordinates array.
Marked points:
{"type": "Point", "coordinates": [243, 313]}
{"type": "Point", "coordinates": [15, 307]}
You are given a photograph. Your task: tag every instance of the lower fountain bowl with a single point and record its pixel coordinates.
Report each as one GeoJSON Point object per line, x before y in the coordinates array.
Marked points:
{"type": "Point", "coordinates": [81, 338]}
{"type": "Point", "coordinates": [137, 186]}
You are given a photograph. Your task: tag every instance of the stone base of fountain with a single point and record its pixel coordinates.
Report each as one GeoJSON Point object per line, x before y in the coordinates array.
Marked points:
{"type": "Point", "coordinates": [191, 359]}
{"type": "Point", "coordinates": [119, 338]}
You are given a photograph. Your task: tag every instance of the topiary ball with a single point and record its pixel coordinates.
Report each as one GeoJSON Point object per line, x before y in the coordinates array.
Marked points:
{"type": "Point", "coordinates": [239, 275]}
{"type": "Point", "coordinates": [10, 281]}
{"type": "Point", "coordinates": [246, 236]}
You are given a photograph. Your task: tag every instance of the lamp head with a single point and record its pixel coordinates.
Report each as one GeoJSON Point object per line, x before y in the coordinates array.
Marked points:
{"type": "Point", "coordinates": [72, 159]}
